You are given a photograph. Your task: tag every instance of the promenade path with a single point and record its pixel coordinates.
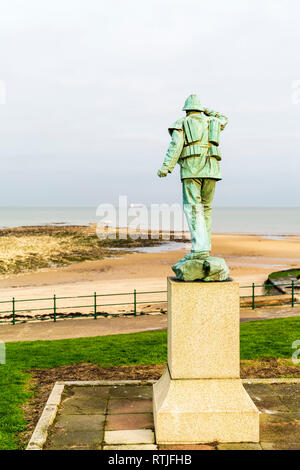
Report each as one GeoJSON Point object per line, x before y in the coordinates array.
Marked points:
{"type": "Point", "coordinates": [78, 328]}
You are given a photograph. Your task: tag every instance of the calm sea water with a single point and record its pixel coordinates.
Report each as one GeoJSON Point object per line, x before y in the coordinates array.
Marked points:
{"type": "Point", "coordinates": [252, 220]}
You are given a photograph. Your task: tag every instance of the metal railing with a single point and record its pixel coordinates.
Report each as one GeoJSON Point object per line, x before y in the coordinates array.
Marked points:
{"type": "Point", "coordinates": [54, 310]}
{"type": "Point", "coordinates": [21, 310]}
{"type": "Point", "coordinates": [286, 293]}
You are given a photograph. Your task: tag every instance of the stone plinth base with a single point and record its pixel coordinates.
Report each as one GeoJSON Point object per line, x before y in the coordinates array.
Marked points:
{"type": "Point", "coordinates": [200, 397]}
{"type": "Point", "coordinates": [203, 330]}
{"type": "Point", "coordinates": [203, 410]}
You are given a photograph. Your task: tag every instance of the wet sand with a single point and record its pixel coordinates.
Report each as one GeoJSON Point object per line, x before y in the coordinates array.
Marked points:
{"type": "Point", "coordinates": [250, 258]}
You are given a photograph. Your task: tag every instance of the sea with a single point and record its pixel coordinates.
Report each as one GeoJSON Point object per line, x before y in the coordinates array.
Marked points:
{"type": "Point", "coordinates": [267, 221]}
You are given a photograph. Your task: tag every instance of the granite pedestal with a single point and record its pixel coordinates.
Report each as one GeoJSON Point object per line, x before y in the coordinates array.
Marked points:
{"type": "Point", "coordinates": [200, 397]}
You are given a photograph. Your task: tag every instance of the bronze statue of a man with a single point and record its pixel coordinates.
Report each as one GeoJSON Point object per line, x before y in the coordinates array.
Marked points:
{"type": "Point", "coordinates": [195, 146]}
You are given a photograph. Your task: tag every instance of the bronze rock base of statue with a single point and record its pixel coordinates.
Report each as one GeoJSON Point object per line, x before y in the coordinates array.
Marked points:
{"type": "Point", "coordinates": [193, 268]}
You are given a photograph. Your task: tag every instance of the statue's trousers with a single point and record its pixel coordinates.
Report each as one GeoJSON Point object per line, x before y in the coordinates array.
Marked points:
{"type": "Point", "coordinates": [198, 195]}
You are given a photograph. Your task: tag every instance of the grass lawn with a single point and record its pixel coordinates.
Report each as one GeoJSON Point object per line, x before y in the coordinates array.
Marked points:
{"type": "Point", "coordinates": [268, 338]}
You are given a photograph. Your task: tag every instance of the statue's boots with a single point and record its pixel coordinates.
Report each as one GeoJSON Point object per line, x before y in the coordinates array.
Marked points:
{"type": "Point", "coordinates": [196, 255]}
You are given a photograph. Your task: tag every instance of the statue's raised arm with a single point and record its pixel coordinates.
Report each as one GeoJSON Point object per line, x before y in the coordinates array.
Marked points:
{"type": "Point", "coordinates": [221, 117]}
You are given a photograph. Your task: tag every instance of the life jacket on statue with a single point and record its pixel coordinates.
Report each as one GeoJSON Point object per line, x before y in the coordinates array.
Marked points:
{"type": "Point", "coordinates": [201, 135]}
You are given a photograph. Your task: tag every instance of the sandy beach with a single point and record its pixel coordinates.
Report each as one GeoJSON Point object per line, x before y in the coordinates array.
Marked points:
{"type": "Point", "coordinates": [250, 258]}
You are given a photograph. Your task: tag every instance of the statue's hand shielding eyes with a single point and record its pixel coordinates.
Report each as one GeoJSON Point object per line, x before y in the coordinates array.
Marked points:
{"type": "Point", "coordinates": [162, 172]}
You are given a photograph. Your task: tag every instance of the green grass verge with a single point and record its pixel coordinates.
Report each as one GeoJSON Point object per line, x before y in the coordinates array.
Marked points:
{"type": "Point", "coordinates": [268, 338]}
{"type": "Point", "coordinates": [286, 275]}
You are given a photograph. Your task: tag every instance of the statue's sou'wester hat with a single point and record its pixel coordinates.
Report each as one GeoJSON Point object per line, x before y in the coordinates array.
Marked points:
{"type": "Point", "coordinates": [192, 103]}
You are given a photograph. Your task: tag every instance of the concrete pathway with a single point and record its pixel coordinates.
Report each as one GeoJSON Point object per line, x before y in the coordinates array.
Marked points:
{"type": "Point", "coordinates": [79, 328]}
{"type": "Point", "coordinates": [120, 417]}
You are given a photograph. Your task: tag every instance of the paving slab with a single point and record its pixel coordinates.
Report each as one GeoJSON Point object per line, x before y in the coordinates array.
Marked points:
{"type": "Point", "coordinates": [266, 390]}
{"type": "Point", "coordinates": [128, 405]}
{"type": "Point", "coordinates": [85, 401]}
{"type": "Point", "coordinates": [132, 436]}
{"type": "Point", "coordinates": [280, 432]}
{"type": "Point", "coordinates": [239, 446]}
{"type": "Point", "coordinates": [80, 422]}
{"type": "Point", "coordinates": [275, 417]}
{"type": "Point", "coordinates": [291, 402]}
{"type": "Point", "coordinates": [270, 403]}
{"type": "Point", "coordinates": [287, 389]}
{"type": "Point", "coordinates": [280, 446]}
{"type": "Point", "coordinates": [129, 421]}
{"type": "Point", "coordinates": [78, 448]}
{"type": "Point", "coordinates": [71, 439]}
{"type": "Point", "coordinates": [132, 447]}
{"type": "Point", "coordinates": [132, 391]}
{"type": "Point", "coordinates": [87, 392]}
{"type": "Point", "coordinates": [187, 447]}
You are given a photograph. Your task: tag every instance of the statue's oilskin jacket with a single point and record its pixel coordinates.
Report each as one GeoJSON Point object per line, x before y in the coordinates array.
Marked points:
{"type": "Point", "coordinates": [195, 145]}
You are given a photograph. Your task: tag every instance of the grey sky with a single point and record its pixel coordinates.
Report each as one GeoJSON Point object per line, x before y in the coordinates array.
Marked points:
{"type": "Point", "coordinates": [92, 86]}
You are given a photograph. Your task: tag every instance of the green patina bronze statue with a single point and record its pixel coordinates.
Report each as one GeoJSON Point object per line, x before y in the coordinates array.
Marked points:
{"type": "Point", "coordinates": [195, 146]}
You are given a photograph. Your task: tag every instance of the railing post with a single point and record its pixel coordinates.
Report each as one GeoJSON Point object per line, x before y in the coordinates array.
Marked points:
{"type": "Point", "coordinates": [54, 308]}
{"type": "Point", "coordinates": [293, 293]}
{"type": "Point", "coordinates": [95, 306]}
{"type": "Point", "coordinates": [253, 296]}
{"type": "Point", "coordinates": [13, 312]}
{"type": "Point", "coordinates": [134, 302]}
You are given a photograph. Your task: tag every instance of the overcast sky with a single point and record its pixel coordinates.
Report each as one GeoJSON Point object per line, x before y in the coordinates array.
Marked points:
{"type": "Point", "coordinates": [92, 85]}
